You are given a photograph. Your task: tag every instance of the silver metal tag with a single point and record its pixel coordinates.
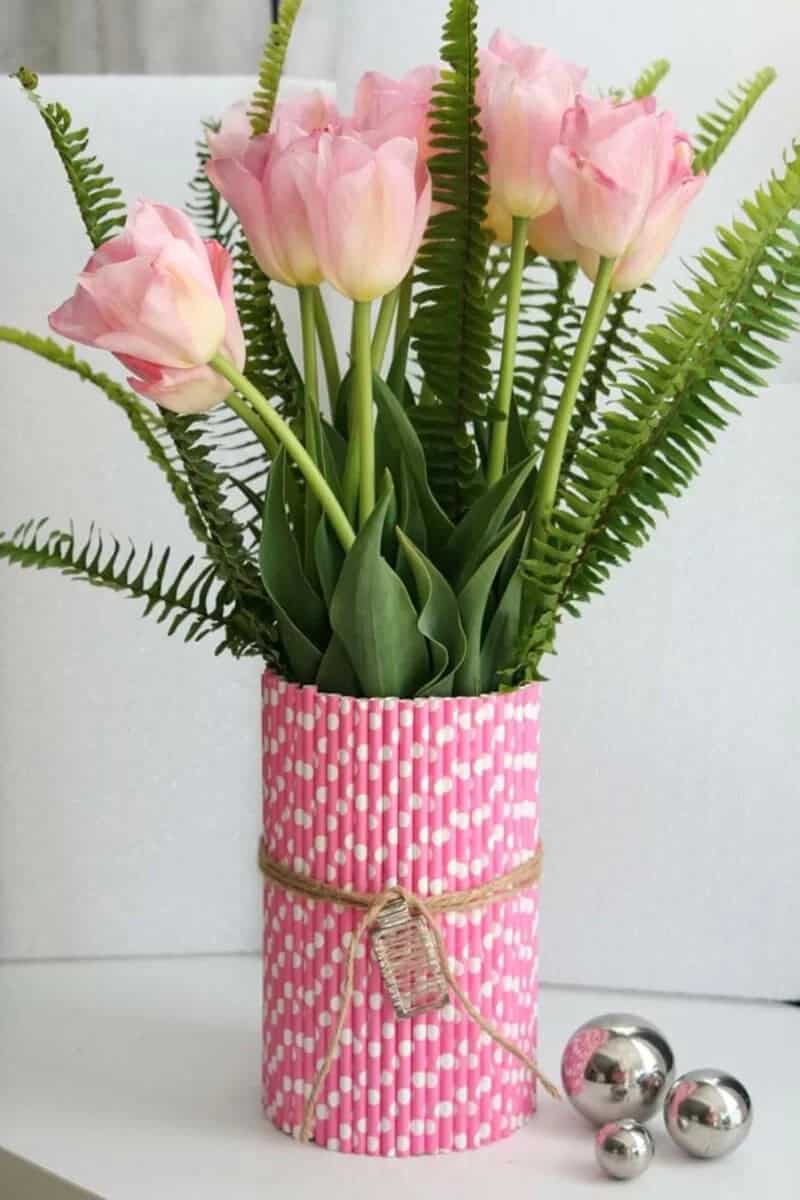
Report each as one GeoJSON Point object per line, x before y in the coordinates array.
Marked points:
{"type": "Point", "coordinates": [407, 955]}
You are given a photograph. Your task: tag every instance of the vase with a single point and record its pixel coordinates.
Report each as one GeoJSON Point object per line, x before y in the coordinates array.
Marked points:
{"type": "Point", "coordinates": [436, 795]}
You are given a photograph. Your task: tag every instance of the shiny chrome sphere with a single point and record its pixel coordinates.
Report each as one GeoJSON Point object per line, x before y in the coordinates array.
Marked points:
{"type": "Point", "coordinates": [708, 1113]}
{"type": "Point", "coordinates": [615, 1066]}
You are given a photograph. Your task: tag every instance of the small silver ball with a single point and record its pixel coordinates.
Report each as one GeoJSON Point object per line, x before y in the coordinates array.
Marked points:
{"type": "Point", "coordinates": [617, 1065]}
{"type": "Point", "coordinates": [708, 1113]}
{"type": "Point", "coordinates": [624, 1149]}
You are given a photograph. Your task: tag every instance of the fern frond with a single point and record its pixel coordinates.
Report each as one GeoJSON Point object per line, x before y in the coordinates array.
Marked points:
{"type": "Point", "coordinates": [148, 427]}
{"type": "Point", "coordinates": [650, 78]}
{"type": "Point", "coordinates": [744, 293]}
{"type": "Point", "coordinates": [192, 599]}
{"type": "Point", "coordinates": [718, 127]}
{"type": "Point", "coordinates": [271, 66]}
{"type": "Point", "coordinates": [212, 216]}
{"type": "Point", "coordinates": [549, 324]}
{"type": "Point", "coordinates": [613, 348]}
{"type": "Point", "coordinates": [270, 364]}
{"type": "Point", "coordinates": [452, 325]}
{"type": "Point", "coordinates": [98, 198]}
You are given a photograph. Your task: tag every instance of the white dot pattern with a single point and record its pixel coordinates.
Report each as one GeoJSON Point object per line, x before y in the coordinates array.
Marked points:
{"type": "Point", "coordinates": [437, 795]}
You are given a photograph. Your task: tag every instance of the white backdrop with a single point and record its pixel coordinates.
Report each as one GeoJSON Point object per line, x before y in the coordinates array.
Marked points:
{"type": "Point", "coordinates": [129, 785]}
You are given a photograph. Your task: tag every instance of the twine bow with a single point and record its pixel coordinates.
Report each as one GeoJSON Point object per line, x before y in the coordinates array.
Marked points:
{"type": "Point", "coordinates": [373, 904]}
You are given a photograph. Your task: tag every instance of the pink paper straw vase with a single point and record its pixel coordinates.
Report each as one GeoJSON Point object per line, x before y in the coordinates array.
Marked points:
{"type": "Point", "coordinates": [436, 795]}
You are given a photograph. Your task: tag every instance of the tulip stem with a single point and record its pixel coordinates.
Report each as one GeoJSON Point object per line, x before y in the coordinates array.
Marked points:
{"type": "Point", "coordinates": [327, 347]}
{"type": "Point", "coordinates": [312, 418]}
{"type": "Point", "coordinates": [251, 418]}
{"type": "Point", "coordinates": [499, 435]}
{"type": "Point", "coordinates": [293, 446]}
{"type": "Point", "coordinates": [550, 469]}
{"type": "Point", "coordinates": [383, 326]}
{"type": "Point", "coordinates": [362, 399]}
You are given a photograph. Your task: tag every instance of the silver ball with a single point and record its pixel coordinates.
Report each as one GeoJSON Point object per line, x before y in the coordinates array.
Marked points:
{"type": "Point", "coordinates": [617, 1065]}
{"type": "Point", "coordinates": [708, 1113]}
{"type": "Point", "coordinates": [624, 1149]}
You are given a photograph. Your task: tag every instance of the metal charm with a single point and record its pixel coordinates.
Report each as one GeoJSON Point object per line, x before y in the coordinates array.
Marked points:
{"type": "Point", "coordinates": [615, 1066]}
{"type": "Point", "coordinates": [407, 955]}
{"type": "Point", "coordinates": [624, 1149]}
{"type": "Point", "coordinates": [708, 1113]}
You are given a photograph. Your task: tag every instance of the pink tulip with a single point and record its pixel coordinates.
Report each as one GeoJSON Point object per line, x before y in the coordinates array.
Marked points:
{"type": "Point", "coordinates": [386, 108]}
{"type": "Point", "coordinates": [230, 140]}
{"type": "Point", "coordinates": [368, 210]}
{"type": "Point", "coordinates": [523, 92]}
{"type": "Point", "coordinates": [309, 113]}
{"type": "Point", "coordinates": [161, 300]}
{"type": "Point", "coordinates": [624, 180]}
{"type": "Point", "coordinates": [262, 189]}
{"type": "Point", "coordinates": [549, 236]}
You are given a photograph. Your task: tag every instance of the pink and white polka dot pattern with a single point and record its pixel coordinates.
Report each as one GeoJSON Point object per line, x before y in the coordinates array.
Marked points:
{"type": "Point", "coordinates": [436, 795]}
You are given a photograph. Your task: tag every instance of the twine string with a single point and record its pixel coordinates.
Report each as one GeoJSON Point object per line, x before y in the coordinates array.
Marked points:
{"type": "Point", "coordinates": [372, 905]}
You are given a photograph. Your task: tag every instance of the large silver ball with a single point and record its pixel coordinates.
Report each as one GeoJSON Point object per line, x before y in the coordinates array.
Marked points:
{"type": "Point", "coordinates": [617, 1065]}
{"type": "Point", "coordinates": [708, 1113]}
{"type": "Point", "coordinates": [624, 1149]}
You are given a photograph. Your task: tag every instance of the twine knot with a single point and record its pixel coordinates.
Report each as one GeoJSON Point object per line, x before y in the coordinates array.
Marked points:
{"type": "Point", "coordinates": [373, 904]}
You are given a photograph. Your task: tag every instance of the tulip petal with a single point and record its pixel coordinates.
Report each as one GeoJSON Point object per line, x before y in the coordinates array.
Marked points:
{"type": "Point", "coordinates": [193, 390]}
{"type": "Point", "coordinates": [598, 213]}
{"type": "Point", "coordinates": [663, 222]}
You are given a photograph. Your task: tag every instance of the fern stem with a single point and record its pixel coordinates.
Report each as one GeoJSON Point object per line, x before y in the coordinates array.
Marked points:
{"type": "Point", "coordinates": [549, 472]}
{"type": "Point", "coordinates": [293, 446]}
{"type": "Point", "coordinates": [383, 327]}
{"type": "Point", "coordinates": [327, 346]}
{"type": "Point", "coordinates": [362, 400]}
{"type": "Point", "coordinates": [499, 437]}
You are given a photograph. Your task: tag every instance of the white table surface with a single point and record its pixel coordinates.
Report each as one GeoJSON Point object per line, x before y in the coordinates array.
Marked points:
{"type": "Point", "coordinates": [139, 1079]}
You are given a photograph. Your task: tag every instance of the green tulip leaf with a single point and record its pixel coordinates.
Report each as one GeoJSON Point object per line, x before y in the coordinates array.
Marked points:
{"type": "Point", "coordinates": [328, 559]}
{"type": "Point", "coordinates": [300, 612]}
{"type": "Point", "coordinates": [472, 602]}
{"type": "Point", "coordinates": [372, 614]}
{"type": "Point", "coordinates": [336, 672]}
{"type": "Point", "coordinates": [439, 619]}
{"type": "Point", "coordinates": [398, 441]}
{"type": "Point", "coordinates": [478, 528]}
{"type": "Point", "coordinates": [502, 638]}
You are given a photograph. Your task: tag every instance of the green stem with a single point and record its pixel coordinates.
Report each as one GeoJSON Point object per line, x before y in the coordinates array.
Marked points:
{"type": "Point", "coordinates": [293, 446]}
{"type": "Point", "coordinates": [312, 418]}
{"type": "Point", "coordinates": [362, 401]}
{"type": "Point", "coordinates": [547, 481]}
{"type": "Point", "coordinates": [383, 326]}
{"type": "Point", "coordinates": [327, 346]}
{"type": "Point", "coordinates": [245, 412]}
{"type": "Point", "coordinates": [499, 435]}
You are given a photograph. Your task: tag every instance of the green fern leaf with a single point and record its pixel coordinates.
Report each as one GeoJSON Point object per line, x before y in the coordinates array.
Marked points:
{"type": "Point", "coordinates": [270, 364]}
{"type": "Point", "coordinates": [452, 325]}
{"type": "Point", "coordinates": [549, 323]}
{"type": "Point", "coordinates": [271, 67]}
{"type": "Point", "coordinates": [98, 198]}
{"type": "Point", "coordinates": [650, 78]}
{"type": "Point", "coordinates": [212, 216]}
{"type": "Point", "coordinates": [744, 294]}
{"type": "Point", "coordinates": [718, 127]}
{"type": "Point", "coordinates": [148, 427]}
{"type": "Point", "coordinates": [192, 600]}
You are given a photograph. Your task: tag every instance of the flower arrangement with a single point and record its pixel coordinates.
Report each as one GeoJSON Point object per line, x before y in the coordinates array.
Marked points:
{"type": "Point", "coordinates": [492, 446]}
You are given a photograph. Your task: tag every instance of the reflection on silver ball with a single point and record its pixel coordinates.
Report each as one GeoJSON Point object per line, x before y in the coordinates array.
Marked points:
{"type": "Point", "coordinates": [708, 1113]}
{"type": "Point", "coordinates": [624, 1149]}
{"type": "Point", "coordinates": [617, 1065]}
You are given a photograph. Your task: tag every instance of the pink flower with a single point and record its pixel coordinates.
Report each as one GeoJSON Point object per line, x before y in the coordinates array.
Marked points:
{"type": "Point", "coordinates": [523, 92]}
{"type": "Point", "coordinates": [367, 208]}
{"type": "Point", "coordinates": [262, 189]}
{"type": "Point", "coordinates": [386, 108]}
{"type": "Point", "coordinates": [308, 113]}
{"type": "Point", "coordinates": [234, 133]}
{"type": "Point", "coordinates": [624, 180]}
{"type": "Point", "coordinates": [161, 300]}
{"type": "Point", "coordinates": [548, 235]}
